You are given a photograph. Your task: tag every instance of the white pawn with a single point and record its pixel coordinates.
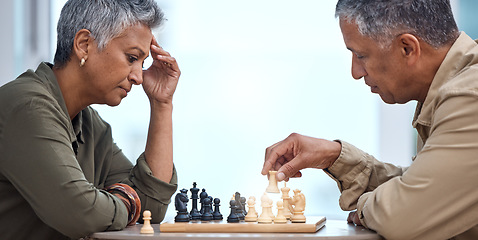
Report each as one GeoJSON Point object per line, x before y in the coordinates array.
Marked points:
{"type": "Point", "coordinates": [251, 214]}
{"type": "Point", "coordinates": [269, 209]}
{"type": "Point", "coordinates": [280, 218]}
{"type": "Point", "coordinates": [265, 216]}
{"type": "Point", "coordinates": [147, 228]}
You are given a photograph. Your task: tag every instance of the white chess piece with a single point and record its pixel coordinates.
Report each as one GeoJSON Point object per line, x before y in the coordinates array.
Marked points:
{"type": "Point", "coordinates": [272, 188]}
{"type": "Point", "coordinates": [298, 201]}
{"type": "Point", "coordinates": [266, 210]}
{"type": "Point", "coordinates": [147, 228]}
{"type": "Point", "coordinates": [280, 218]}
{"type": "Point", "coordinates": [269, 209]}
{"type": "Point", "coordinates": [251, 214]}
{"type": "Point", "coordinates": [286, 201]}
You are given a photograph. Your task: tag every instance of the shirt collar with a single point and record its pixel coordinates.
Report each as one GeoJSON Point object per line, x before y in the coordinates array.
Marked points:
{"type": "Point", "coordinates": [49, 79]}
{"type": "Point", "coordinates": [77, 124]}
{"type": "Point", "coordinates": [451, 65]}
{"type": "Point", "coordinates": [47, 76]}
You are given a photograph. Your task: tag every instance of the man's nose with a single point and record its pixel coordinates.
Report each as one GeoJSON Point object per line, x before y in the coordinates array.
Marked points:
{"type": "Point", "coordinates": [358, 71]}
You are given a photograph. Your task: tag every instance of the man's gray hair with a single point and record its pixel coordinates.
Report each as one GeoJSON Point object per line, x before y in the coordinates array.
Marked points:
{"type": "Point", "coordinates": [105, 19]}
{"type": "Point", "coordinates": [383, 20]}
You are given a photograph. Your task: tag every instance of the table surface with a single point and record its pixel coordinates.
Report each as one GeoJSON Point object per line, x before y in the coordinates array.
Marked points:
{"type": "Point", "coordinates": [333, 229]}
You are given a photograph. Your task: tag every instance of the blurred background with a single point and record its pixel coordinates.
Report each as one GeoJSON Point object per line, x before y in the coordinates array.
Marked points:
{"type": "Point", "coordinates": [252, 73]}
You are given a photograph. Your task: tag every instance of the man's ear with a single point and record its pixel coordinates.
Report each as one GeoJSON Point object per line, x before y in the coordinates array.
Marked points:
{"type": "Point", "coordinates": [410, 47]}
{"type": "Point", "coordinates": [82, 42]}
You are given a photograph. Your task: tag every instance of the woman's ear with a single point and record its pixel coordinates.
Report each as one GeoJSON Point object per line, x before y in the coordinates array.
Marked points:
{"type": "Point", "coordinates": [410, 48]}
{"type": "Point", "coordinates": [81, 44]}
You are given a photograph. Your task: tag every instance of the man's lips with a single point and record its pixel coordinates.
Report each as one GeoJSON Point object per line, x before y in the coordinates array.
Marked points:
{"type": "Point", "coordinates": [373, 88]}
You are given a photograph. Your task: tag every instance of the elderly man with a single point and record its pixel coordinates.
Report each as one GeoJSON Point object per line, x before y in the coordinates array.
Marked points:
{"type": "Point", "coordinates": [405, 50]}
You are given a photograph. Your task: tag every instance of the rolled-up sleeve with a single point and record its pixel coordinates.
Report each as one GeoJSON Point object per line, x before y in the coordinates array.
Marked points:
{"type": "Point", "coordinates": [436, 197]}
{"type": "Point", "coordinates": [155, 194]}
{"type": "Point", "coordinates": [357, 172]}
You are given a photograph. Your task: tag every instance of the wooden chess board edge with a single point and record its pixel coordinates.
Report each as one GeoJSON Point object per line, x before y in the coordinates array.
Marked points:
{"type": "Point", "coordinates": [312, 225]}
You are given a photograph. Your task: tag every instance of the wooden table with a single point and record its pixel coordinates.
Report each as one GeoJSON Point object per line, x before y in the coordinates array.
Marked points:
{"type": "Point", "coordinates": [333, 229]}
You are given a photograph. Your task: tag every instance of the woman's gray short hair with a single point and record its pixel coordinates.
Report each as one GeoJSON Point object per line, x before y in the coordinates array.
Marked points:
{"type": "Point", "coordinates": [383, 20]}
{"type": "Point", "coordinates": [105, 19]}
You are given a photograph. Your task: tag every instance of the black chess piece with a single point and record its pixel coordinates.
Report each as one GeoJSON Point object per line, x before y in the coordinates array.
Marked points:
{"type": "Point", "coordinates": [207, 215]}
{"type": "Point", "coordinates": [216, 215]}
{"type": "Point", "coordinates": [243, 203]}
{"type": "Point", "coordinates": [202, 195]}
{"type": "Point", "coordinates": [195, 214]}
{"type": "Point", "coordinates": [239, 212]}
{"type": "Point", "coordinates": [180, 202]}
{"type": "Point", "coordinates": [212, 201]}
{"type": "Point", "coordinates": [232, 218]}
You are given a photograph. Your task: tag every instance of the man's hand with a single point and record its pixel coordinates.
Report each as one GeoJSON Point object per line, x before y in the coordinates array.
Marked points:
{"type": "Point", "coordinates": [354, 218]}
{"type": "Point", "coordinates": [298, 152]}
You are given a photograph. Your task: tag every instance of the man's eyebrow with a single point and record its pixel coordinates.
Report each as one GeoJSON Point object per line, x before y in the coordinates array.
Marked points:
{"type": "Point", "coordinates": [353, 51]}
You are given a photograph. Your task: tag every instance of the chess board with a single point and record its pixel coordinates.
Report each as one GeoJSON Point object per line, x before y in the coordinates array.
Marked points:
{"type": "Point", "coordinates": [312, 225]}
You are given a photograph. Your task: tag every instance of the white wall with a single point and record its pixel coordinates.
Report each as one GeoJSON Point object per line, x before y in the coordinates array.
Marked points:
{"type": "Point", "coordinates": [252, 73]}
{"type": "Point", "coordinates": [25, 40]}
{"type": "Point", "coordinates": [7, 41]}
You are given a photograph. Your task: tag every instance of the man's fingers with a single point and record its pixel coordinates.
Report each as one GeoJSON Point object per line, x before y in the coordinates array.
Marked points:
{"type": "Point", "coordinates": [273, 153]}
{"type": "Point", "coordinates": [282, 153]}
{"type": "Point", "coordinates": [267, 164]}
{"type": "Point", "coordinates": [297, 175]}
{"type": "Point", "coordinates": [354, 218]}
{"type": "Point", "coordinates": [266, 167]}
{"type": "Point", "coordinates": [350, 218]}
{"type": "Point", "coordinates": [289, 169]}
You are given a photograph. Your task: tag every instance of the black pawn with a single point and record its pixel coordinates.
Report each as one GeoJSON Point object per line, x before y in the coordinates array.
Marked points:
{"type": "Point", "coordinates": [232, 218]}
{"type": "Point", "coordinates": [216, 215]}
{"type": "Point", "coordinates": [207, 215]}
{"type": "Point", "coordinates": [195, 214]}
{"type": "Point", "coordinates": [203, 196]}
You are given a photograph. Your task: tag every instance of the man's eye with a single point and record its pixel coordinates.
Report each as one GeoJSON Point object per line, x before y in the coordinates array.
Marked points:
{"type": "Point", "coordinates": [132, 59]}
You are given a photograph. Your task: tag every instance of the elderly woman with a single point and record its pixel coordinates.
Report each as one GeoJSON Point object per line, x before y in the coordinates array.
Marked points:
{"type": "Point", "coordinates": [61, 174]}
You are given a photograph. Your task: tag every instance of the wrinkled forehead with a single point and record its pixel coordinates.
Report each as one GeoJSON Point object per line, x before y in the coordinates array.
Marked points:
{"type": "Point", "coordinates": [138, 37]}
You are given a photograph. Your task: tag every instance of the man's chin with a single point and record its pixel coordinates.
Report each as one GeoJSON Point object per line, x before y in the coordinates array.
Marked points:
{"type": "Point", "coordinates": [387, 100]}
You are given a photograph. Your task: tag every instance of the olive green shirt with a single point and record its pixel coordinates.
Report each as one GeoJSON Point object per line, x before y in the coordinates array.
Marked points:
{"type": "Point", "coordinates": [53, 169]}
{"type": "Point", "coordinates": [436, 197]}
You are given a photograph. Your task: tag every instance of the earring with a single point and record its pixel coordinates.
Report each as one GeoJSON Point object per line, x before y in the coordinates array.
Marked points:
{"type": "Point", "coordinates": [82, 62]}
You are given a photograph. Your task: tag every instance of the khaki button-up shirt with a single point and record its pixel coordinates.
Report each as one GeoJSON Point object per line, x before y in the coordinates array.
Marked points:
{"type": "Point", "coordinates": [52, 169]}
{"type": "Point", "coordinates": [436, 197]}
